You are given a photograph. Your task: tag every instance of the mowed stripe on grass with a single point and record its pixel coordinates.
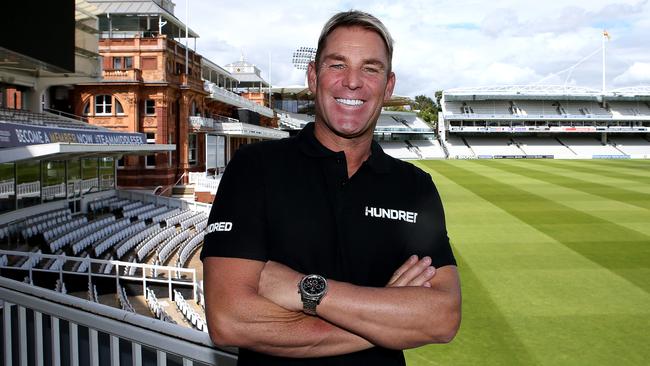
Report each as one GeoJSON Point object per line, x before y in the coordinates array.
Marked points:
{"type": "Point", "coordinates": [558, 284]}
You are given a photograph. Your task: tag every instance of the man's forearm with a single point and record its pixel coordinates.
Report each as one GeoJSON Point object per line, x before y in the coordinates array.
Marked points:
{"type": "Point", "coordinates": [395, 317]}
{"type": "Point", "coordinates": [413, 313]}
{"type": "Point", "coordinates": [238, 316]}
{"type": "Point", "coordinates": [265, 327]}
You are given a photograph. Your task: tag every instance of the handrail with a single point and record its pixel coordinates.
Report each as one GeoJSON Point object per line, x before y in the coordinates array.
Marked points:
{"type": "Point", "coordinates": [189, 344]}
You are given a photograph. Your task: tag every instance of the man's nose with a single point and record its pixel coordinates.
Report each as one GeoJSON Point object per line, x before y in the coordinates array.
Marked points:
{"type": "Point", "coordinates": [352, 79]}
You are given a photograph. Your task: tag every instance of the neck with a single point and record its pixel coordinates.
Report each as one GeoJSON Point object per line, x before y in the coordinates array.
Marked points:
{"type": "Point", "coordinates": [356, 150]}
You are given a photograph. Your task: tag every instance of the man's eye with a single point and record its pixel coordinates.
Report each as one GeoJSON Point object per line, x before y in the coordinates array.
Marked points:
{"type": "Point", "coordinates": [337, 66]}
{"type": "Point", "coordinates": [372, 70]}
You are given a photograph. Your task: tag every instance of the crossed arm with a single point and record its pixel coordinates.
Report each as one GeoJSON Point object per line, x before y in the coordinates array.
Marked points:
{"type": "Point", "coordinates": [255, 305]}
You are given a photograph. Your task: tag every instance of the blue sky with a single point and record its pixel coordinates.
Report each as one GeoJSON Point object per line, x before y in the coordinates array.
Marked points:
{"type": "Point", "coordinates": [443, 44]}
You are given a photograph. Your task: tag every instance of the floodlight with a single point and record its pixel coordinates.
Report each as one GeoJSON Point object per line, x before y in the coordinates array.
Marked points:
{"type": "Point", "coordinates": [302, 56]}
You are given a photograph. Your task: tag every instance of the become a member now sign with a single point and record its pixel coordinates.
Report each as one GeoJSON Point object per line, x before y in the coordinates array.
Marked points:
{"type": "Point", "coordinates": [14, 135]}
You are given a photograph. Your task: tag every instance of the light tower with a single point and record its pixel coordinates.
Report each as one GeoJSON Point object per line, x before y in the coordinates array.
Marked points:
{"type": "Point", "coordinates": [302, 56]}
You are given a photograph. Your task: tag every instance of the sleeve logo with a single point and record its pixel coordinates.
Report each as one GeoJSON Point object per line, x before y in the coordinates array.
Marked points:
{"type": "Point", "coordinates": [218, 226]}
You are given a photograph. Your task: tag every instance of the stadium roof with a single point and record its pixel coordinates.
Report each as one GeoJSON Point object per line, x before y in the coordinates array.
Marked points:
{"type": "Point", "coordinates": [141, 8]}
{"type": "Point", "coordinates": [544, 92]}
{"type": "Point", "coordinates": [63, 151]}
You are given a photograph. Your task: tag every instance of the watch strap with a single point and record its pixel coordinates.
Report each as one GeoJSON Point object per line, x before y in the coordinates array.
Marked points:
{"type": "Point", "coordinates": [309, 306]}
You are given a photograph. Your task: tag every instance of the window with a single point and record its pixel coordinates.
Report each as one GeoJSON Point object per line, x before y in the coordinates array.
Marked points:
{"type": "Point", "coordinates": [120, 63]}
{"type": "Point", "coordinates": [150, 107]}
{"type": "Point", "coordinates": [103, 104]}
{"type": "Point", "coordinates": [148, 63]}
{"type": "Point", "coordinates": [191, 146]}
{"type": "Point", "coordinates": [118, 107]}
{"type": "Point", "coordinates": [86, 110]}
{"type": "Point", "coordinates": [150, 160]}
{"type": "Point", "coordinates": [120, 162]}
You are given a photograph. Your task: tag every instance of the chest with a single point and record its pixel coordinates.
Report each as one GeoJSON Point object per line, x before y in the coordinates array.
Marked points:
{"type": "Point", "coordinates": [357, 230]}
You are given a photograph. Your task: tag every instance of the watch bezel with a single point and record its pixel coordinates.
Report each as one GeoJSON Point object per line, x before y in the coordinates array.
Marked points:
{"type": "Point", "coordinates": [318, 295]}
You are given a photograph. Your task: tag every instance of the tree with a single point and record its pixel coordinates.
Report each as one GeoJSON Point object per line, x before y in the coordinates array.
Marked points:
{"type": "Point", "coordinates": [428, 109]}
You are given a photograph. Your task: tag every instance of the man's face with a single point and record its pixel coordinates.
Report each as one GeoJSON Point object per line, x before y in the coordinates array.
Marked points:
{"type": "Point", "coordinates": [352, 82]}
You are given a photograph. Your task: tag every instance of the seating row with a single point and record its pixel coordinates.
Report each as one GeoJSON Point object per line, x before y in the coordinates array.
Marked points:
{"type": "Point", "coordinates": [192, 316]}
{"type": "Point", "coordinates": [125, 232]}
{"type": "Point", "coordinates": [134, 240]}
{"type": "Point", "coordinates": [98, 234]}
{"type": "Point", "coordinates": [189, 248]}
{"type": "Point", "coordinates": [41, 226]}
{"type": "Point", "coordinates": [151, 243]}
{"type": "Point", "coordinates": [59, 230]}
{"type": "Point", "coordinates": [156, 308]}
{"type": "Point", "coordinates": [137, 211]}
{"type": "Point", "coordinates": [99, 204]}
{"type": "Point", "coordinates": [169, 245]}
{"type": "Point", "coordinates": [185, 214]}
{"type": "Point", "coordinates": [165, 215]}
{"type": "Point", "coordinates": [123, 299]}
{"type": "Point", "coordinates": [193, 220]}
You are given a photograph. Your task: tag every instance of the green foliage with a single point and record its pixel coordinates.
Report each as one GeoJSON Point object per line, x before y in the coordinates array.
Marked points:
{"type": "Point", "coordinates": [428, 109]}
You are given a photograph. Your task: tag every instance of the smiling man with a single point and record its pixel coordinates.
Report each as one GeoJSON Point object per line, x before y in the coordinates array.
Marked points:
{"type": "Point", "coordinates": [322, 249]}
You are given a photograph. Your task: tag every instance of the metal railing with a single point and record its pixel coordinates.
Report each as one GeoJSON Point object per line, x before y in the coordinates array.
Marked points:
{"type": "Point", "coordinates": [46, 327]}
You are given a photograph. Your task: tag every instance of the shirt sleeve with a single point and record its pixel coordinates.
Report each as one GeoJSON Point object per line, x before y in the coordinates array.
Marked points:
{"type": "Point", "coordinates": [433, 240]}
{"type": "Point", "coordinates": [237, 224]}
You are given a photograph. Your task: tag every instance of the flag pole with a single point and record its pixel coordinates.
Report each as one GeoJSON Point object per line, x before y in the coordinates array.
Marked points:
{"type": "Point", "coordinates": [605, 35]}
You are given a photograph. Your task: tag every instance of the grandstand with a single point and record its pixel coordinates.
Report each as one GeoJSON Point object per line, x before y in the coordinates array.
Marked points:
{"type": "Point", "coordinates": [564, 122]}
{"type": "Point", "coordinates": [90, 273]}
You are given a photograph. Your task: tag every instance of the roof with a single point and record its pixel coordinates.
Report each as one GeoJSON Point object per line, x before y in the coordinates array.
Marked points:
{"type": "Point", "coordinates": [545, 92]}
{"type": "Point", "coordinates": [140, 8]}
{"type": "Point", "coordinates": [62, 151]}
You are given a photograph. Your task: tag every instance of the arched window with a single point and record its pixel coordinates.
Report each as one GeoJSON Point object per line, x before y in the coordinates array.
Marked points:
{"type": "Point", "coordinates": [86, 109]}
{"type": "Point", "coordinates": [103, 104]}
{"type": "Point", "coordinates": [118, 107]}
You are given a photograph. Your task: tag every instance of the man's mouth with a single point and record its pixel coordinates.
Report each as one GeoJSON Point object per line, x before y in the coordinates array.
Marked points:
{"type": "Point", "coordinates": [350, 102]}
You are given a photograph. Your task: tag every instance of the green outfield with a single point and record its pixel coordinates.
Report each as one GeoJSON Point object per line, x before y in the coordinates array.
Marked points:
{"type": "Point", "coordinates": [554, 257]}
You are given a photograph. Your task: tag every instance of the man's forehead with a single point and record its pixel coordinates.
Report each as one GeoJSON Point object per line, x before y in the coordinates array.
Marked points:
{"type": "Point", "coordinates": [350, 38]}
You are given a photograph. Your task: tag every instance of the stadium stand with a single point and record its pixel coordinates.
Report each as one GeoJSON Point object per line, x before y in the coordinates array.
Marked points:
{"type": "Point", "coordinates": [541, 121]}
{"type": "Point", "coordinates": [156, 307]}
{"type": "Point", "coordinates": [190, 315]}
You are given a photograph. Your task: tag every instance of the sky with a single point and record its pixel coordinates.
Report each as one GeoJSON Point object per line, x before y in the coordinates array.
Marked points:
{"type": "Point", "coordinates": [443, 44]}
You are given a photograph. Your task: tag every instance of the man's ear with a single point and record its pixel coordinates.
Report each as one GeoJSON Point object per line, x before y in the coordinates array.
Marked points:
{"type": "Point", "coordinates": [390, 85]}
{"type": "Point", "coordinates": [312, 76]}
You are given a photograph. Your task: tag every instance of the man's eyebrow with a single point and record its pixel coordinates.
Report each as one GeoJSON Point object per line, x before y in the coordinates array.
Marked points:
{"type": "Point", "coordinates": [339, 57]}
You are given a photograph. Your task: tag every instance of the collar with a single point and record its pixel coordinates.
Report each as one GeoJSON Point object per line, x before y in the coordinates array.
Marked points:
{"type": "Point", "coordinates": [379, 161]}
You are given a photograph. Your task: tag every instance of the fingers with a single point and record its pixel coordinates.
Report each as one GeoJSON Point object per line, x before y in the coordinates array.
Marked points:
{"type": "Point", "coordinates": [413, 272]}
{"type": "Point", "coordinates": [403, 268]}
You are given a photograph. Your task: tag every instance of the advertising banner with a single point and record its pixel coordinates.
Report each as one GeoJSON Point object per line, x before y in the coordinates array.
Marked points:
{"type": "Point", "coordinates": [13, 135]}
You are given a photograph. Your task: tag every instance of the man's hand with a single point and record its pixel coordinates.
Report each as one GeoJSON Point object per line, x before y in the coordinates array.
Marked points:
{"type": "Point", "coordinates": [279, 284]}
{"type": "Point", "coordinates": [413, 272]}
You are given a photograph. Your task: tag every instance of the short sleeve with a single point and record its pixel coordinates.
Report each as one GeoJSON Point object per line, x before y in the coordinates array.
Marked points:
{"type": "Point", "coordinates": [237, 224]}
{"type": "Point", "coordinates": [431, 239]}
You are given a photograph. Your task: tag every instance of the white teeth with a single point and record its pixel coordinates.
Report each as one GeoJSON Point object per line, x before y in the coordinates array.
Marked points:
{"type": "Point", "coordinates": [353, 102]}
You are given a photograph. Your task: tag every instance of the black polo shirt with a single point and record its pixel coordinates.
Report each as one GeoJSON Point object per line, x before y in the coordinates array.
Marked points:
{"type": "Point", "coordinates": [291, 201]}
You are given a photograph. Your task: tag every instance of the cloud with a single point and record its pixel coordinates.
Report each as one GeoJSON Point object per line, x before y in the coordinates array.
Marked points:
{"type": "Point", "coordinates": [638, 73]}
{"type": "Point", "coordinates": [443, 44]}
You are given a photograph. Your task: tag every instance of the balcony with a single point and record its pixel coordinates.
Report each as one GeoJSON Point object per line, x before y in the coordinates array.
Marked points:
{"type": "Point", "coordinates": [132, 75]}
{"type": "Point", "coordinates": [248, 130]}
{"type": "Point", "coordinates": [201, 123]}
{"type": "Point", "coordinates": [229, 97]}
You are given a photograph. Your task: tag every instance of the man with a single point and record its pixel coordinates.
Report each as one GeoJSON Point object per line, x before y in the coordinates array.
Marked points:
{"type": "Point", "coordinates": [368, 228]}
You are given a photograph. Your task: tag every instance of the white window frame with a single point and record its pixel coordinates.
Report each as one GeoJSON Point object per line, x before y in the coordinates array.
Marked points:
{"type": "Point", "coordinates": [104, 108]}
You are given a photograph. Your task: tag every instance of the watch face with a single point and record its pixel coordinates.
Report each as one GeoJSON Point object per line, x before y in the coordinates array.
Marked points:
{"type": "Point", "coordinates": [313, 285]}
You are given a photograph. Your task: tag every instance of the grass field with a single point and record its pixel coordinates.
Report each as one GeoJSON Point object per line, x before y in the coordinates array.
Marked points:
{"type": "Point", "coordinates": [554, 257]}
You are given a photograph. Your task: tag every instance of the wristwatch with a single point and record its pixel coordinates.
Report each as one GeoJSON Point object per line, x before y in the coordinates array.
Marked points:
{"type": "Point", "coordinates": [312, 288]}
